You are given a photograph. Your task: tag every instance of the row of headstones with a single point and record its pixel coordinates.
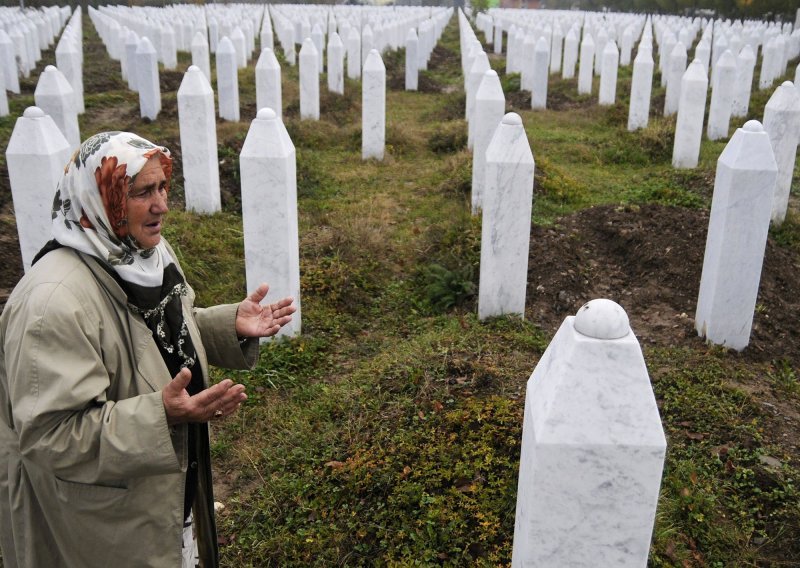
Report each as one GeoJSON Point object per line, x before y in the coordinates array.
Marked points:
{"type": "Point", "coordinates": [537, 58]}
{"type": "Point", "coordinates": [686, 96]}
{"type": "Point", "coordinates": [594, 353]}
{"type": "Point", "coordinates": [24, 34]}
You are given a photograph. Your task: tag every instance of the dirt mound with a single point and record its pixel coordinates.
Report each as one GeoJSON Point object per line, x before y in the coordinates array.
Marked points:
{"type": "Point", "coordinates": [649, 259]}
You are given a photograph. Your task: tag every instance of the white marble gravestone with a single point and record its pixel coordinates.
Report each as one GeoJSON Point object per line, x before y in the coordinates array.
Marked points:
{"type": "Point", "coordinates": [745, 66]}
{"type": "Point", "coordinates": [676, 67]}
{"type": "Point", "coordinates": [412, 55]}
{"type": "Point", "coordinates": [593, 448]}
{"type": "Point", "coordinates": [198, 131]}
{"type": "Point", "coordinates": [719, 112]}
{"type": "Point", "coordinates": [227, 80]}
{"type": "Point", "coordinates": [373, 107]}
{"type": "Point", "coordinates": [691, 110]}
{"type": "Point", "coordinates": [147, 81]}
{"type": "Point", "coordinates": [69, 60]}
{"type": "Point", "coordinates": [737, 237]}
{"type": "Point", "coordinates": [36, 155]}
{"type": "Point", "coordinates": [8, 63]}
{"type": "Point", "coordinates": [490, 104]}
{"type": "Point", "coordinates": [267, 167]}
{"type": "Point", "coordinates": [570, 54]}
{"type": "Point", "coordinates": [585, 65]}
{"type": "Point", "coordinates": [782, 124]}
{"type": "Point", "coordinates": [131, 45]}
{"type": "Point", "coordinates": [506, 222]}
{"type": "Point", "coordinates": [200, 55]}
{"type": "Point", "coordinates": [268, 82]}
{"type": "Point", "coordinates": [608, 74]}
{"type": "Point", "coordinates": [335, 64]}
{"type": "Point", "coordinates": [541, 67]}
{"type": "Point", "coordinates": [353, 53]}
{"type": "Point", "coordinates": [55, 97]}
{"type": "Point", "coordinates": [309, 81]}
{"type": "Point", "coordinates": [641, 87]}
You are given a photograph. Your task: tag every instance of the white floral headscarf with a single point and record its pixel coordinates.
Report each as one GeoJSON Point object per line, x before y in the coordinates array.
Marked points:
{"type": "Point", "coordinates": [90, 205]}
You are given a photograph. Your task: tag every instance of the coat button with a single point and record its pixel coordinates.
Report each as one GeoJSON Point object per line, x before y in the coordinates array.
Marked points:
{"type": "Point", "coordinates": [193, 465]}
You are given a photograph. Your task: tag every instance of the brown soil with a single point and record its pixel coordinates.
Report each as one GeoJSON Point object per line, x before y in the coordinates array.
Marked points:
{"type": "Point", "coordinates": [649, 259]}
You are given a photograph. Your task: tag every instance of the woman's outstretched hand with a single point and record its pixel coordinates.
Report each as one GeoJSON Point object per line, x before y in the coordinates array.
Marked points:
{"type": "Point", "coordinates": [256, 320]}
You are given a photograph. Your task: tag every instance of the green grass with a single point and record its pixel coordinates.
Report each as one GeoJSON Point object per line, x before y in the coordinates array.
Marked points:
{"type": "Point", "coordinates": [388, 433]}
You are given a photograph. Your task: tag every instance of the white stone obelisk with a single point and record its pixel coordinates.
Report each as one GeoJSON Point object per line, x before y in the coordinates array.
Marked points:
{"type": "Point", "coordinates": [268, 82]}
{"type": "Point", "coordinates": [737, 237]}
{"type": "Point", "coordinates": [55, 97]}
{"type": "Point", "coordinates": [412, 55]}
{"type": "Point", "coordinates": [8, 63]}
{"type": "Point", "coordinates": [691, 110]}
{"type": "Point", "coordinates": [309, 81]}
{"type": "Point", "coordinates": [506, 221]}
{"type": "Point", "coordinates": [70, 62]}
{"type": "Point", "coordinates": [541, 74]}
{"type": "Point", "coordinates": [556, 49]}
{"type": "Point", "coordinates": [782, 124]}
{"type": "Point", "coordinates": [585, 65]}
{"type": "Point", "coordinates": [198, 130]}
{"type": "Point", "coordinates": [200, 54]}
{"type": "Point", "coordinates": [131, 45]}
{"type": "Point", "coordinates": [227, 80]}
{"type": "Point", "coordinates": [268, 172]}
{"type": "Point", "coordinates": [608, 74]}
{"type": "Point", "coordinates": [593, 448]}
{"type": "Point", "coordinates": [353, 53]}
{"type": "Point", "coordinates": [490, 105]}
{"type": "Point", "coordinates": [36, 155]}
{"type": "Point", "coordinates": [373, 107]}
{"type": "Point", "coordinates": [570, 55]}
{"type": "Point", "coordinates": [745, 66]}
{"type": "Point", "coordinates": [675, 68]}
{"type": "Point", "coordinates": [335, 64]}
{"type": "Point", "coordinates": [719, 112]}
{"type": "Point", "coordinates": [147, 82]}
{"type": "Point", "coordinates": [480, 65]}
{"type": "Point", "coordinates": [641, 88]}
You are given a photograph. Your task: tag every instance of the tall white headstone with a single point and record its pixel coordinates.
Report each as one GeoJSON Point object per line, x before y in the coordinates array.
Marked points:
{"type": "Point", "coordinates": [227, 80]}
{"type": "Point", "coordinates": [570, 54]}
{"type": "Point", "coordinates": [373, 107]}
{"type": "Point", "coordinates": [719, 112]}
{"type": "Point", "coordinates": [198, 130]}
{"type": "Point", "coordinates": [608, 74]}
{"type": "Point", "coordinates": [309, 81]}
{"type": "Point", "coordinates": [70, 62]}
{"type": "Point", "coordinates": [268, 82]}
{"type": "Point", "coordinates": [585, 65]}
{"type": "Point", "coordinates": [676, 67]}
{"type": "Point", "coordinates": [412, 55]}
{"type": "Point", "coordinates": [782, 124]}
{"type": "Point", "coordinates": [268, 172]}
{"type": "Point", "coordinates": [641, 87]}
{"type": "Point", "coordinates": [36, 155]}
{"type": "Point", "coordinates": [593, 448]}
{"type": "Point", "coordinates": [353, 53]}
{"type": "Point", "coordinates": [8, 62]}
{"type": "Point", "coordinates": [506, 222]}
{"type": "Point", "coordinates": [335, 64]}
{"type": "Point", "coordinates": [490, 105]}
{"type": "Point", "coordinates": [200, 55]}
{"type": "Point", "coordinates": [147, 80]}
{"type": "Point", "coordinates": [737, 237]}
{"type": "Point", "coordinates": [55, 97]}
{"type": "Point", "coordinates": [691, 110]}
{"type": "Point", "coordinates": [541, 67]}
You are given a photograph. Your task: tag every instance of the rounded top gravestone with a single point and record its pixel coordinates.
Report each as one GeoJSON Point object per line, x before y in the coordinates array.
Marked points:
{"type": "Point", "coordinates": [602, 319]}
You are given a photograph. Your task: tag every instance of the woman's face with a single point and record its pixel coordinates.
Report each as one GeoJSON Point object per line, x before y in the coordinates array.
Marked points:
{"type": "Point", "coordinates": [147, 204]}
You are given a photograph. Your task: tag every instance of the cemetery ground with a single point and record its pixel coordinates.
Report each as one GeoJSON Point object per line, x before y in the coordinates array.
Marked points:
{"type": "Point", "coordinates": [388, 433]}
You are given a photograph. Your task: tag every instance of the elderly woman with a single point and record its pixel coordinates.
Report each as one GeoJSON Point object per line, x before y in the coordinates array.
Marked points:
{"type": "Point", "coordinates": [104, 393]}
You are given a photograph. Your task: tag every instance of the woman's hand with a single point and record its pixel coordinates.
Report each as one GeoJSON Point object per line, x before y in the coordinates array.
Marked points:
{"type": "Point", "coordinates": [218, 401]}
{"type": "Point", "coordinates": [255, 320]}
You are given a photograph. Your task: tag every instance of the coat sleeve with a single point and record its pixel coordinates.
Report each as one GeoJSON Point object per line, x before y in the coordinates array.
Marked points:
{"type": "Point", "coordinates": [58, 387]}
{"type": "Point", "coordinates": [218, 329]}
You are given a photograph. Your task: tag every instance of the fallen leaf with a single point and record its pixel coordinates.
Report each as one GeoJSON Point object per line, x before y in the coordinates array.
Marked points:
{"type": "Point", "coordinates": [335, 464]}
{"type": "Point", "coordinates": [437, 406]}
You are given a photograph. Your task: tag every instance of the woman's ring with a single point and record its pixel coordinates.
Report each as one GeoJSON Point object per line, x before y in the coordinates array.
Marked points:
{"type": "Point", "coordinates": [217, 414]}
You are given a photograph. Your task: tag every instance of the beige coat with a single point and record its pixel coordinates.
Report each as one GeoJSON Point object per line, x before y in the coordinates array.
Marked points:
{"type": "Point", "coordinates": [91, 475]}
